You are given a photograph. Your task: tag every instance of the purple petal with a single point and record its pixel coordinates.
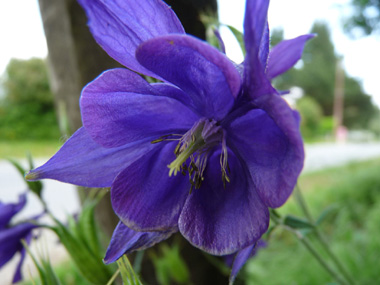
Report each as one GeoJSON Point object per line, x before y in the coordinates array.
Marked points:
{"type": "Point", "coordinates": [200, 70]}
{"type": "Point", "coordinates": [7, 211]}
{"type": "Point", "coordinates": [10, 240]}
{"type": "Point", "coordinates": [264, 47]}
{"type": "Point", "coordinates": [169, 90]}
{"type": "Point", "coordinates": [119, 107]}
{"type": "Point", "coordinates": [270, 143]}
{"type": "Point", "coordinates": [222, 46]}
{"type": "Point", "coordinates": [119, 27]}
{"type": "Point", "coordinates": [17, 277]}
{"type": "Point", "coordinates": [256, 34]}
{"type": "Point", "coordinates": [144, 196]}
{"type": "Point", "coordinates": [284, 55]}
{"type": "Point", "coordinates": [83, 162]}
{"type": "Point", "coordinates": [242, 256]}
{"type": "Point", "coordinates": [124, 241]}
{"type": "Point", "coordinates": [256, 40]}
{"type": "Point", "coordinates": [222, 220]}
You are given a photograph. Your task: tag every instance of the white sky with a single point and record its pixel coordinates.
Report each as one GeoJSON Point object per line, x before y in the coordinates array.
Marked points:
{"type": "Point", "coordinates": [22, 36]}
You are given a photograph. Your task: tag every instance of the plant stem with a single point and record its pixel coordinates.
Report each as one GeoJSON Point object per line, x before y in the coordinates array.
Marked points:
{"type": "Point", "coordinates": [113, 277]}
{"type": "Point", "coordinates": [328, 268]}
{"type": "Point", "coordinates": [310, 248]}
{"type": "Point", "coordinates": [302, 203]}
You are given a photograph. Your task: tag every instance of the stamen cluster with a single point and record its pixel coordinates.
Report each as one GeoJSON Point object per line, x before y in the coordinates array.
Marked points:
{"type": "Point", "coordinates": [193, 149]}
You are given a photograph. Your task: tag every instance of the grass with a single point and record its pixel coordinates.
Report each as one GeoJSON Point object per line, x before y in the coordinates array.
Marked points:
{"type": "Point", "coordinates": [352, 229]}
{"type": "Point", "coordinates": [67, 274]}
{"type": "Point", "coordinates": [18, 149]}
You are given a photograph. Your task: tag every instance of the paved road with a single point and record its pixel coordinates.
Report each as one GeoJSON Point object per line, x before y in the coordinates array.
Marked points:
{"type": "Point", "coordinates": [319, 156]}
{"type": "Point", "coordinates": [62, 198]}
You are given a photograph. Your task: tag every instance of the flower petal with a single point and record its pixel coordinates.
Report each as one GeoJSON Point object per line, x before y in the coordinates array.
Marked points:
{"type": "Point", "coordinates": [169, 90]}
{"type": "Point", "coordinates": [125, 240]}
{"type": "Point", "coordinates": [119, 107]}
{"type": "Point", "coordinates": [144, 196]}
{"type": "Point", "coordinates": [200, 70]}
{"type": "Point", "coordinates": [222, 220]}
{"type": "Point", "coordinates": [17, 277]}
{"type": "Point", "coordinates": [10, 240]}
{"type": "Point", "coordinates": [256, 38]}
{"type": "Point", "coordinates": [284, 55]}
{"type": "Point", "coordinates": [242, 257]}
{"type": "Point", "coordinates": [264, 47]}
{"type": "Point", "coordinates": [119, 27]}
{"type": "Point", "coordinates": [269, 142]}
{"type": "Point", "coordinates": [8, 210]}
{"type": "Point", "coordinates": [83, 162]}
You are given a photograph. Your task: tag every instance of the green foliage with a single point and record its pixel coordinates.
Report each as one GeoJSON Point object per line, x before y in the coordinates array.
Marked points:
{"type": "Point", "coordinates": [35, 186]}
{"type": "Point", "coordinates": [169, 265]}
{"type": "Point", "coordinates": [277, 35]}
{"type": "Point", "coordinates": [374, 124]}
{"type": "Point", "coordinates": [297, 223]}
{"type": "Point", "coordinates": [44, 268]}
{"type": "Point", "coordinates": [128, 275]}
{"type": "Point", "coordinates": [365, 18]}
{"type": "Point", "coordinates": [239, 37]}
{"type": "Point", "coordinates": [358, 107]}
{"type": "Point", "coordinates": [311, 114]}
{"type": "Point", "coordinates": [347, 202]}
{"type": "Point", "coordinates": [27, 109]}
{"type": "Point", "coordinates": [17, 149]}
{"type": "Point", "coordinates": [326, 126]}
{"type": "Point", "coordinates": [80, 239]}
{"type": "Point", "coordinates": [66, 273]}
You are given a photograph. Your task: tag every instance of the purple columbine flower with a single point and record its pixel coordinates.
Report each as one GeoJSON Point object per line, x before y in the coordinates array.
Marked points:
{"type": "Point", "coordinates": [11, 236]}
{"type": "Point", "coordinates": [204, 152]}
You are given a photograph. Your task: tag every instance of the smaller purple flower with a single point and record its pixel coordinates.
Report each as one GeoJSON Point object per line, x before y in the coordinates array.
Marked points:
{"type": "Point", "coordinates": [11, 235]}
{"type": "Point", "coordinates": [236, 261]}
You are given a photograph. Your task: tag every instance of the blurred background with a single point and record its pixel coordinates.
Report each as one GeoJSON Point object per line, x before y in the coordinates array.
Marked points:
{"type": "Point", "coordinates": [334, 87]}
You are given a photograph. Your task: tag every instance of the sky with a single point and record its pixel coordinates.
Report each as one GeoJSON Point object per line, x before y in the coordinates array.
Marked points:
{"type": "Point", "coordinates": [22, 36]}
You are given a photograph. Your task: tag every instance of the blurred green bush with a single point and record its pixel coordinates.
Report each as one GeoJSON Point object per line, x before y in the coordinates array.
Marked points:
{"type": "Point", "coordinates": [26, 105]}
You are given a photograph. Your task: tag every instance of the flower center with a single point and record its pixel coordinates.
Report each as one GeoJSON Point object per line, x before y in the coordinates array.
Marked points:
{"type": "Point", "coordinates": [193, 149]}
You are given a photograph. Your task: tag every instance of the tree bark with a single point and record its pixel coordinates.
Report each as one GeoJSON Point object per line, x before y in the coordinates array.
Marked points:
{"type": "Point", "coordinates": [74, 60]}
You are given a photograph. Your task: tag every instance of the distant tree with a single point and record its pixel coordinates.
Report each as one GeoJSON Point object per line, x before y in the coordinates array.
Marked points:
{"type": "Point", "coordinates": [276, 36]}
{"type": "Point", "coordinates": [316, 77]}
{"type": "Point", "coordinates": [365, 18]}
{"type": "Point", "coordinates": [27, 81]}
{"type": "Point", "coordinates": [27, 109]}
{"type": "Point", "coordinates": [311, 114]}
{"type": "Point", "coordinates": [358, 107]}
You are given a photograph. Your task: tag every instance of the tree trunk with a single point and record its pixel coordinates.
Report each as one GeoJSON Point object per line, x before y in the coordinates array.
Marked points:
{"type": "Point", "coordinates": [74, 60]}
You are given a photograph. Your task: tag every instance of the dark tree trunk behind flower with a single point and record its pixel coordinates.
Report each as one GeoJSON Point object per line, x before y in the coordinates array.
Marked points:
{"type": "Point", "coordinates": [75, 59]}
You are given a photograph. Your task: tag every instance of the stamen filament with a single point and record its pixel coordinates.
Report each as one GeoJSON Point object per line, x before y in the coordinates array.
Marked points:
{"type": "Point", "coordinates": [176, 165]}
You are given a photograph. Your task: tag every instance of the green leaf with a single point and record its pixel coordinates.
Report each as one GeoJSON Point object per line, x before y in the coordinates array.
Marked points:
{"type": "Point", "coordinates": [88, 230]}
{"type": "Point", "coordinates": [45, 270]}
{"type": "Point", "coordinates": [297, 223]}
{"type": "Point", "coordinates": [169, 265]}
{"type": "Point", "coordinates": [34, 186]}
{"type": "Point", "coordinates": [89, 263]}
{"type": "Point", "coordinates": [239, 37]}
{"type": "Point", "coordinates": [326, 213]}
{"type": "Point", "coordinates": [128, 275]}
